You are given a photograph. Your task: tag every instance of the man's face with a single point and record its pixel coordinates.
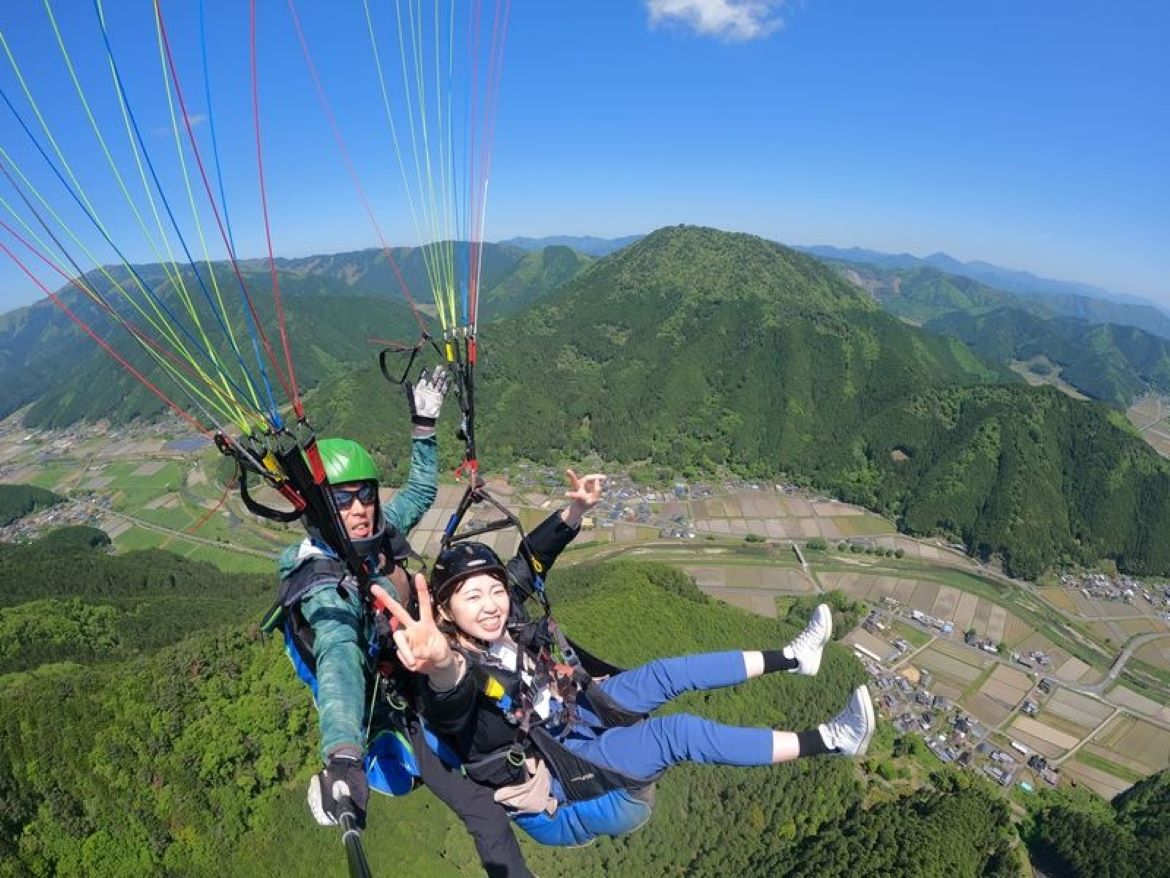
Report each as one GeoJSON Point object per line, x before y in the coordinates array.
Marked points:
{"type": "Point", "coordinates": [358, 505]}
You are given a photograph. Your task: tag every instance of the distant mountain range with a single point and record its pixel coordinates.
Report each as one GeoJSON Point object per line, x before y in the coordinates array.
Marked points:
{"type": "Point", "coordinates": [334, 304]}
{"type": "Point", "coordinates": [586, 244]}
{"type": "Point", "coordinates": [1011, 280]}
{"type": "Point", "coordinates": [695, 349]}
{"type": "Point", "coordinates": [1120, 355]}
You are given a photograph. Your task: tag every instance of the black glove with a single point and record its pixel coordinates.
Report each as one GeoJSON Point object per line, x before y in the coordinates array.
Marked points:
{"type": "Point", "coordinates": [341, 788]}
{"type": "Point", "coordinates": [425, 396]}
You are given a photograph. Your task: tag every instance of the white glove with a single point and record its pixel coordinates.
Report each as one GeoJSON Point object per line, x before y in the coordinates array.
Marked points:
{"type": "Point", "coordinates": [426, 396]}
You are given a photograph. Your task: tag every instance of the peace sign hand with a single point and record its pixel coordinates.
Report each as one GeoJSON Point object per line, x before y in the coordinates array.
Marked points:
{"type": "Point", "coordinates": [422, 647]}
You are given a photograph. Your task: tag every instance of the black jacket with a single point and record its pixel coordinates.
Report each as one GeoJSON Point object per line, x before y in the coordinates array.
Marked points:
{"type": "Point", "coordinates": [472, 720]}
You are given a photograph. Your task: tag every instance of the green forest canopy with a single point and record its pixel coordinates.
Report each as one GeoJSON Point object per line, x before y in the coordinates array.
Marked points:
{"type": "Point", "coordinates": [17, 501]}
{"type": "Point", "coordinates": [191, 756]}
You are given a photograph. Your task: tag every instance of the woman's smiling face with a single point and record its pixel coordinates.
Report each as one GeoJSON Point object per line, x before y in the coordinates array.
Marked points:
{"type": "Point", "coordinates": [479, 607]}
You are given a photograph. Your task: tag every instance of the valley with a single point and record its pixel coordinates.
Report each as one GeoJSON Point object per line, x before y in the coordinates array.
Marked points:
{"type": "Point", "coordinates": [1075, 671]}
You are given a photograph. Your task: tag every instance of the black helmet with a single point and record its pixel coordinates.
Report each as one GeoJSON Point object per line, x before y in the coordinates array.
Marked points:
{"type": "Point", "coordinates": [459, 561]}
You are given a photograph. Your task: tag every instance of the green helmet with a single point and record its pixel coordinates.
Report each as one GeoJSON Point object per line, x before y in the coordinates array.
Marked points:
{"type": "Point", "coordinates": [346, 461]}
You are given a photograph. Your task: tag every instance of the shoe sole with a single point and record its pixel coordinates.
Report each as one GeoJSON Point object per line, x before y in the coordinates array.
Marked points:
{"type": "Point", "coordinates": [862, 695]}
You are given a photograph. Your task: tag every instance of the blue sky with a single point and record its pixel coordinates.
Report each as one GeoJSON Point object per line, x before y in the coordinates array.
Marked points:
{"type": "Point", "coordinates": [1031, 135]}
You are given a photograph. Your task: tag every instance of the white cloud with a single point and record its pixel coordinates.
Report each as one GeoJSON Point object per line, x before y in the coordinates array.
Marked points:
{"type": "Point", "coordinates": [196, 119]}
{"type": "Point", "coordinates": [726, 19]}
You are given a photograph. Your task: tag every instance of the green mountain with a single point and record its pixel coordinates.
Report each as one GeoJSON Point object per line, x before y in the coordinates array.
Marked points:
{"type": "Point", "coordinates": [922, 293]}
{"type": "Point", "coordinates": [587, 244]}
{"type": "Point", "coordinates": [333, 305]}
{"type": "Point", "coordinates": [75, 380]}
{"type": "Point", "coordinates": [534, 277]}
{"type": "Point", "coordinates": [1063, 298]}
{"type": "Point", "coordinates": [695, 349]}
{"type": "Point", "coordinates": [1112, 363]}
{"type": "Point", "coordinates": [369, 273]}
{"type": "Point", "coordinates": [700, 347]}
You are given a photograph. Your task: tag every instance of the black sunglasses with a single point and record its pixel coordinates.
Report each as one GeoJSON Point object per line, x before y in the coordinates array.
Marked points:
{"type": "Point", "coordinates": [343, 498]}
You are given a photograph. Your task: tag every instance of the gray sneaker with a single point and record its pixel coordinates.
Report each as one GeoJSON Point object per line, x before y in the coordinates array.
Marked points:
{"type": "Point", "coordinates": [808, 645]}
{"type": "Point", "coordinates": [849, 732]}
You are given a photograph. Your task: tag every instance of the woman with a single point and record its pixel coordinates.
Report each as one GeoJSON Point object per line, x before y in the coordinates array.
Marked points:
{"type": "Point", "coordinates": [531, 729]}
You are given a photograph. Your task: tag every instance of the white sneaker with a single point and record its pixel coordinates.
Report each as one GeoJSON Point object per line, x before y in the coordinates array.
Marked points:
{"type": "Point", "coordinates": [810, 643]}
{"type": "Point", "coordinates": [849, 732]}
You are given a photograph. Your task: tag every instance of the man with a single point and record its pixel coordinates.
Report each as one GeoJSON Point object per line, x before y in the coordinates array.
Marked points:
{"type": "Point", "coordinates": [370, 734]}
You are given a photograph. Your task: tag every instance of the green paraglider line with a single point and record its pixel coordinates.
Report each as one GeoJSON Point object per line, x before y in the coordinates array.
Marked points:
{"type": "Point", "coordinates": [328, 110]}
{"type": "Point", "coordinates": [109, 350]}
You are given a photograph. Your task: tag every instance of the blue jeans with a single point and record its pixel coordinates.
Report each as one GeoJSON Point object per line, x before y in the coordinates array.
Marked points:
{"type": "Point", "coordinates": [646, 748]}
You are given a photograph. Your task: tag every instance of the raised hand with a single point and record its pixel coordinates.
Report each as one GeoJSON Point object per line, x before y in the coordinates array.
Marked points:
{"type": "Point", "coordinates": [584, 493]}
{"type": "Point", "coordinates": [422, 647]}
{"type": "Point", "coordinates": [425, 396]}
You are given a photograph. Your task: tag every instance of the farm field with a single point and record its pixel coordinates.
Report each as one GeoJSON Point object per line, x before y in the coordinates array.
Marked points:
{"type": "Point", "coordinates": [1132, 741]}
{"type": "Point", "coordinates": [999, 694]}
{"type": "Point", "coordinates": [1101, 782]}
{"type": "Point", "coordinates": [1042, 738]}
{"type": "Point", "coordinates": [1077, 708]}
{"type": "Point", "coordinates": [1126, 697]}
{"type": "Point", "coordinates": [1151, 415]}
{"type": "Point", "coordinates": [953, 667]}
{"type": "Point", "coordinates": [1156, 653]}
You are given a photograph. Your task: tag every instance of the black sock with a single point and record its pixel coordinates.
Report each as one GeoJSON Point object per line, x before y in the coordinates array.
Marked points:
{"type": "Point", "coordinates": [812, 744]}
{"type": "Point", "coordinates": [775, 660]}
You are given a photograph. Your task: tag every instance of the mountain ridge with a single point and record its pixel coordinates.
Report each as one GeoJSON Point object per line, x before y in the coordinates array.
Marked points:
{"type": "Point", "coordinates": [1007, 279]}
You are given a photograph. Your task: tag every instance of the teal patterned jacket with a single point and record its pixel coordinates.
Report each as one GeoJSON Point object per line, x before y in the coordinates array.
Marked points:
{"type": "Point", "coordinates": [340, 632]}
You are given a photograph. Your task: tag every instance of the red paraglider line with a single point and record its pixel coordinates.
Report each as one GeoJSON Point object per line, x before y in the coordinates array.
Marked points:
{"type": "Point", "coordinates": [130, 326]}
{"type": "Point", "coordinates": [325, 105]}
{"type": "Point", "coordinates": [109, 350]}
{"type": "Point", "coordinates": [210, 512]}
{"type": "Point", "coordinates": [289, 382]}
{"type": "Point", "coordinates": [298, 409]}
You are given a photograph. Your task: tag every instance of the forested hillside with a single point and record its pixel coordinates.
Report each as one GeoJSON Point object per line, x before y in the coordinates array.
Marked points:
{"type": "Point", "coordinates": [63, 598]}
{"type": "Point", "coordinates": [1130, 839]}
{"type": "Point", "coordinates": [193, 759]}
{"type": "Point", "coordinates": [334, 305]}
{"type": "Point", "coordinates": [67, 377]}
{"type": "Point", "coordinates": [1111, 363]}
{"type": "Point", "coordinates": [531, 279]}
{"type": "Point", "coordinates": [919, 288]}
{"type": "Point", "coordinates": [695, 349]}
{"type": "Point", "coordinates": [17, 501]}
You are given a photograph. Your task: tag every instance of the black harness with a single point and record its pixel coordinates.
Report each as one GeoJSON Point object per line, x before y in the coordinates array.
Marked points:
{"type": "Point", "coordinates": [508, 692]}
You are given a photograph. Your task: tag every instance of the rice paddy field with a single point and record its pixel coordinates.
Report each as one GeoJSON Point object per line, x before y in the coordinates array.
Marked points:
{"type": "Point", "coordinates": [1134, 742]}
{"type": "Point", "coordinates": [998, 696]}
{"type": "Point", "coordinates": [1156, 653]}
{"type": "Point", "coordinates": [954, 667]}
